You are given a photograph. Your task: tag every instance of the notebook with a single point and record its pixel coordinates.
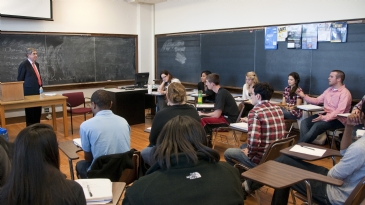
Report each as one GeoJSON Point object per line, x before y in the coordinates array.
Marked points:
{"type": "Point", "coordinates": [97, 191]}
{"type": "Point", "coordinates": [77, 142]}
{"type": "Point", "coordinates": [309, 107]}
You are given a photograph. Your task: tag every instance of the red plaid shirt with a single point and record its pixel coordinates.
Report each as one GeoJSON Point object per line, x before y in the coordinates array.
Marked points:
{"type": "Point", "coordinates": [265, 125]}
{"type": "Point", "coordinates": [292, 101]}
{"type": "Point", "coordinates": [359, 104]}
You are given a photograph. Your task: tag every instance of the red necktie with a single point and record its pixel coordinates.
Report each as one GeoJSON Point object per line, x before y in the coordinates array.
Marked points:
{"type": "Point", "coordinates": [36, 72]}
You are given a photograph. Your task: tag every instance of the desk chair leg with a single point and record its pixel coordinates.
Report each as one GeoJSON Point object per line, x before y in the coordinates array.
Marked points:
{"type": "Point", "coordinates": [309, 192]}
{"type": "Point", "coordinates": [72, 129]}
{"type": "Point", "coordinates": [71, 169]}
{"type": "Point", "coordinates": [257, 194]}
{"type": "Point", "coordinates": [84, 116]}
{"type": "Point", "coordinates": [333, 160]}
{"type": "Point", "coordinates": [293, 196]}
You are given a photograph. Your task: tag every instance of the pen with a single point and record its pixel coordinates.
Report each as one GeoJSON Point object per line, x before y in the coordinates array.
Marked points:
{"type": "Point", "coordinates": [308, 148]}
{"type": "Point", "coordinates": [88, 188]}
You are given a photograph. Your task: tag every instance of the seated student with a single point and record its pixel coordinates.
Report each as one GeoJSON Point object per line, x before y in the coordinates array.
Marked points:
{"type": "Point", "coordinates": [5, 160]}
{"type": "Point", "coordinates": [350, 169]}
{"type": "Point", "coordinates": [356, 111]}
{"type": "Point", "coordinates": [291, 99]}
{"type": "Point", "coordinates": [265, 125]}
{"type": "Point", "coordinates": [225, 107]}
{"type": "Point", "coordinates": [251, 80]}
{"type": "Point", "coordinates": [336, 99]}
{"type": "Point", "coordinates": [186, 171]}
{"type": "Point", "coordinates": [166, 78]}
{"type": "Point", "coordinates": [176, 97]}
{"type": "Point", "coordinates": [35, 176]}
{"type": "Point", "coordinates": [203, 87]}
{"type": "Point", "coordinates": [105, 133]}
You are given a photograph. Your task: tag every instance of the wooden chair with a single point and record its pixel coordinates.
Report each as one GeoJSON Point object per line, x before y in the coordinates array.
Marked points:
{"type": "Point", "coordinates": [331, 138]}
{"type": "Point", "coordinates": [74, 100]}
{"type": "Point", "coordinates": [234, 136]}
{"type": "Point", "coordinates": [271, 153]}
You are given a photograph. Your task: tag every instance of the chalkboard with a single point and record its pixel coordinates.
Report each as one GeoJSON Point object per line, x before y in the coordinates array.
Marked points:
{"type": "Point", "coordinates": [232, 54]}
{"type": "Point", "coordinates": [67, 59]}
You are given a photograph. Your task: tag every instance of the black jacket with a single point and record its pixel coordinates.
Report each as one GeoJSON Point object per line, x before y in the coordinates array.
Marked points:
{"type": "Point", "coordinates": [111, 166]}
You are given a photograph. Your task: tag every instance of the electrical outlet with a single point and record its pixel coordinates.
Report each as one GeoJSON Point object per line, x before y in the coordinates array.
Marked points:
{"type": "Point", "coordinates": [46, 109]}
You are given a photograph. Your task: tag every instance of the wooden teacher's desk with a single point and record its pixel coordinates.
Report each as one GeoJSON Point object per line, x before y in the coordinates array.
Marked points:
{"type": "Point", "coordinates": [36, 101]}
{"type": "Point", "coordinates": [278, 176]}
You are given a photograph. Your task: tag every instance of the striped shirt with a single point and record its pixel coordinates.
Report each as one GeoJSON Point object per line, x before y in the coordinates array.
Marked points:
{"type": "Point", "coordinates": [265, 125]}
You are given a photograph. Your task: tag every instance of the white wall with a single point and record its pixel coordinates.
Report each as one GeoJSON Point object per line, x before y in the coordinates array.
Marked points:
{"type": "Point", "coordinates": [81, 16]}
{"type": "Point", "coordinates": [196, 15]}
{"type": "Point", "coordinates": [146, 54]}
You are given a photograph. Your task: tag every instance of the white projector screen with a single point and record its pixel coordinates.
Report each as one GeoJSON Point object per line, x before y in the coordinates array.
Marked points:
{"type": "Point", "coordinates": [29, 9]}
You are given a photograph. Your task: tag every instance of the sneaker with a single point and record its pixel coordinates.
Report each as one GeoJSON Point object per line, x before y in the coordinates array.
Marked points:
{"type": "Point", "coordinates": [246, 187]}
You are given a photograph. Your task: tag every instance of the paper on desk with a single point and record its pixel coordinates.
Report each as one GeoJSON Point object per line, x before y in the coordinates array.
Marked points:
{"type": "Point", "coordinates": [148, 128]}
{"type": "Point", "coordinates": [308, 150]}
{"type": "Point", "coordinates": [196, 95]}
{"type": "Point", "coordinates": [205, 105]}
{"type": "Point", "coordinates": [240, 125]}
{"type": "Point", "coordinates": [50, 94]}
{"type": "Point", "coordinates": [101, 190]}
{"type": "Point", "coordinates": [309, 107]}
{"type": "Point", "coordinates": [77, 142]}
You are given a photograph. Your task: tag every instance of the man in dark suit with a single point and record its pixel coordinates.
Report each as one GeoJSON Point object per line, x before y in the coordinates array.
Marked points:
{"type": "Point", "coordinates": [28, 72]}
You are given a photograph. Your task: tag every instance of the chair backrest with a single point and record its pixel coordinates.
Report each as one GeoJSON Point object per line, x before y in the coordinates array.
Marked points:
{"type": "Point", "coordinates": [130, 175]}
{"type": "Point", "coordinates": [357, 195]}
{"type": "Point", "coordinates": [74, 99]}
{"type": "Point", "coordinates": [273, 151]}
{"type": "Point", "coordinates": [241, 107]}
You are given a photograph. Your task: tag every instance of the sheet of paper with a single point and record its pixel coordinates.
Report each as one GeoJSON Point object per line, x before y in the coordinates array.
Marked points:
{"type": "Point", "coordinates": [77, 142]}
{"type": "Point", "coordinates": [50, 94]}
{"type": "Point", "coordinates": [96, 190]}
{"type": "Point", "coordinates": [196, 95]}
{"type": "Point", "coordinates": [240, 125]}
{"type": "Point", "coordinates": [148, 128]}
{"type": "Point", "coordinates": [205, 105]}
{"type": "Point", "coordinates": [308, 150]}
{"type": "Point", "coordinates": [309, 107]}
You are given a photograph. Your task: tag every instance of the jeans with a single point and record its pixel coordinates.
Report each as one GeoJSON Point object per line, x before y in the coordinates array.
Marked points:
{"type": "Point", "coordinates": [81, 169]}
{"type": "Point", "coordinates": [319, 192]}
{"type": "Point", "coordinates": [310, 130]}
{"type": "Point", "coordinates": [147, 155]}
{"type": "Point", "coordinates": [161, 102]}
{"type": "Point", "coordinates": [288, 115]}
{"type": "Point", "coordinates": [237, 154]}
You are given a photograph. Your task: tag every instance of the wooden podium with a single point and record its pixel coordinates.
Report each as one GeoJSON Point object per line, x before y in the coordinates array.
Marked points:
{"type": "Point", "coordinates": [11, 91]}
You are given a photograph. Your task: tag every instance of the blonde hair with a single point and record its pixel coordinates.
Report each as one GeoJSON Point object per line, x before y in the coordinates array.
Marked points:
{"type": "Point", "coordinates": [176, 93]}
{"type": "Point", "coordinates": [252, 75]}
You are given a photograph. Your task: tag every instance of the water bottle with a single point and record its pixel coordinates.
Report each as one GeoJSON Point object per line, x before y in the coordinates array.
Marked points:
{"type": "Point", "coordinates": [200, 97]}
{"type": "Point", "coordinates": [40, 92]}
{"type": "Point", "coordinates": [4, 133]}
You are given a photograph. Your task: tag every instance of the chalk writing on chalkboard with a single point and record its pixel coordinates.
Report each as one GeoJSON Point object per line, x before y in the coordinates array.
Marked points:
{"type": "Point", "coordinates": [70, 58]}
{"type": "Point", "coordinates": [178, 47]}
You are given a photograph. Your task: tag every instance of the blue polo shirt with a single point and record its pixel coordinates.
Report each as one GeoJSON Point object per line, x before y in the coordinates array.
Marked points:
{"type": "Point", "coordinates": [105, 133]}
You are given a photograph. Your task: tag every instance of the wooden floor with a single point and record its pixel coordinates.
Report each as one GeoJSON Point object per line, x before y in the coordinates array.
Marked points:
{"type": "Point", "coordinates": [139, 140]}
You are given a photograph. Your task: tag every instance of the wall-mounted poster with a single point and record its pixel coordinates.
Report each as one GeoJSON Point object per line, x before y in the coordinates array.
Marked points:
{"type": "Point", "coordinates": [294, 36]}
{"type": "Point", "coordinates": [309, 36]}
{"type": "Point", "coordinates": [282, 33]}
{"type": "Point", "coordinates": [324, 31]}
{"type": "Point", "coordinates": [271, 38]}
{"type": "Point", "coordinates": [338, 32]}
